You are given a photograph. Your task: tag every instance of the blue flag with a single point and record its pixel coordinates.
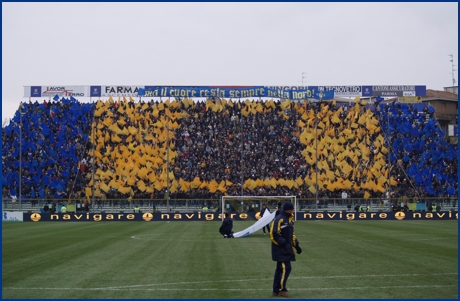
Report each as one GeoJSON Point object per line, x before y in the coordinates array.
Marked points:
{"type": "Point", "coordinates": [56, 97]}
{"type": "Point", "coordinates": [141, 92]}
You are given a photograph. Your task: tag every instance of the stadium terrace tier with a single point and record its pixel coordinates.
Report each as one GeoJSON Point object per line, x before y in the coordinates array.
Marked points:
{"type": "Point", "coordinates": [203, 149]}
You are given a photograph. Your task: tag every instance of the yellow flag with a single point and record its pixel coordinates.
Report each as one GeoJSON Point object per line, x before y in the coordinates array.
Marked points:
{"type": "Point", "coordinates": [104, 187]}
{"type": "Point", "coordinates": [299, 181]}
{"type": "Point", "coordinates": [88, 191]}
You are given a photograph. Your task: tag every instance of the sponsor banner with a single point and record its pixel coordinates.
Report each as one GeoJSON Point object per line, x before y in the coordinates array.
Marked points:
{"type": "Point", "coordinates": [61, 91]}
{"type": "Point", "coordinates": [366, 91]}
{"type": "Point", "coordinates": [286, 92]}
{"type": "Point", "coordinates": [411, 215]}
{"type": "Point", "coordinates": [214, 216]}
{"type": "Point", "coordinates": [394, 91]}
{"type": "Point", "coordinates": [123, 216]}
{"type": "Point", "coordinates": [410, 99]}
{"type": "Point", "coordinates": [118, 91]}
{"type": "Point", "coordinates": [13, 216]}
{"type": "Point", "coordinates": [95, 91]}
{"type": "Point", "coordinates": [340, 91]}
{"type": "Point", "coordinates": [35, 91]}
{"type": "Point", "coordinates": [373, 91]}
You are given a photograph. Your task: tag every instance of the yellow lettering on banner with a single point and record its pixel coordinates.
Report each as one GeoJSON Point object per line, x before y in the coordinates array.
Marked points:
{"type": "Point", "coordinates": [350, 216]}
{"type": "Point", "coordinates": [417, 215]}
{"type": "Point", "coordinates": [373, 215]}
{"type": "Point", "coordinates": [78, 217]}
{"type": "Point", "coordinates": [383, 215]}
{"type": "Point", "coordinates": [109, 216]}
{"type": "Point", "coordinates": [219, 216]}
{"type": "Point", "coordinates": [209, 217]}
{"type": "Point", "coordinates": [441, 215]}
{"type": "Point", "coordinates": [331, 216]}
{"type": "Point", "coordinates": [362, 215]}
{"type": "Point", "coordinates": [243, 216]}
{"type": "Point", "coordinates": [165, 215]}
{"type": "Point", "coordinates": [120, 215]}
{"type": "Point", "coordinates": [177, 216]}
{"type": "Point", "coordinates": [232, 215]}
{"type": "Point", "coordinates": [305, 215]}
{"type": "Point", "coordinates": [66, 216]}
{"type": "Point", "coordinates": [199, 215]}
{"type": "Point", "coordinates": [319, 215]}
{"type": "Point", "coordinates": [55, 216]}
{"type": "Point", "coordinates": [193, 93]}
{"type": "Point", "coordinates": [97, 217]}
{"type": "Point", "coordinates": [429, 215]}
{"type": "Point", "coordinates": [130, 216]}
{"type": "Point", "coordinates": [189, 216]}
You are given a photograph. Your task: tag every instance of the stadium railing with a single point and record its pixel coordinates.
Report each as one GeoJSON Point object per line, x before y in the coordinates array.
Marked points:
{"type": "Point", "coordinates": [214, 205]}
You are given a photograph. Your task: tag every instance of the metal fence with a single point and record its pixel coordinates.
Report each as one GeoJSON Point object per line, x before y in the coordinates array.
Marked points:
{"type": "Point", "coordinates": [214, 205]}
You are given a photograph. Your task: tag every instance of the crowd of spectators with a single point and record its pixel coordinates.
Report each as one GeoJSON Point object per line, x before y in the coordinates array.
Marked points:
{"type": "Point", "coordinates": [425, 164]}
{"type": "Point", "coordinates": [151, 149]}
{"type": "Point", "coordinates": [54, 140]}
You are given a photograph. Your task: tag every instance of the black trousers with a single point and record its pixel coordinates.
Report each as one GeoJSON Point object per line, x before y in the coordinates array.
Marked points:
{"type": "Point", "coordinates": [268, 228]}
{"type": "Point", "coordinates": [283, 269]}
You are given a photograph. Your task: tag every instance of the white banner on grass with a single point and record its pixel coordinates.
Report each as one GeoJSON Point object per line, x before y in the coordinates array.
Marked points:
{"type": "Point", "coordinates": [265, 220]}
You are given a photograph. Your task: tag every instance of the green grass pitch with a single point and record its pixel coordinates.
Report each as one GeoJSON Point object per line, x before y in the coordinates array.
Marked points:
{"type": "Point", "coordinates": [190, 259]}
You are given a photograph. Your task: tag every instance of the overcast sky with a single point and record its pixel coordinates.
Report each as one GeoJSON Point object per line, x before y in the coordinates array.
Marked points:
{"type": "Point", "coordinates": [226, 44]}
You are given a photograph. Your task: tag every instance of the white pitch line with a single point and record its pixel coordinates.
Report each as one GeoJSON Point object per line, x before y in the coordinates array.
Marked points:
{"type": "Point", "coordinates": [139, 286]}
{"type": "Point", "coordinates": [232, 289]}
{"type": "Point", "coordinates": [265, 279]}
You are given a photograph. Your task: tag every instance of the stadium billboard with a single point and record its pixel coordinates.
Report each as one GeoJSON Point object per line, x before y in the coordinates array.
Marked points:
{"type": "Point", "coordinates": [292, 92]}
{"type": "Point", "coordinates": [117, 91]}
{"type": "Point", "coordinates": [398, 91]}
{"type": "Point", "coordinates": [12, 216]}
{"type": "Point", "coordinates": [215, 216]}
{"type": "Point", "coordinates": [374, 91]}
{"type": "Point", "coordinates": [60, 90]}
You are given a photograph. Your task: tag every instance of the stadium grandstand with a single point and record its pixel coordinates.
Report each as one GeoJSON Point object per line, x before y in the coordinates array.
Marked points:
{"type": "Point", "coordinates": [175, 153]}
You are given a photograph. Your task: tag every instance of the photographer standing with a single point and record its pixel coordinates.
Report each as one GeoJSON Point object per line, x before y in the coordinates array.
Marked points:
{"type": "Point", "coordinates": [284, 242]}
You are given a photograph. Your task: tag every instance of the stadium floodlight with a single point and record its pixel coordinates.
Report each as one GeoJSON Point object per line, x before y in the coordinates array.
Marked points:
{"type": "Point", "coordinates": [226, 200]}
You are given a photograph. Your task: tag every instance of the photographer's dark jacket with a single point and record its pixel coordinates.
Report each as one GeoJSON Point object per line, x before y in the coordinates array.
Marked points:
{"type": "Point", "coordinates": [226, 227]}
{"type": "Point", "coordinates": [283, 237]}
